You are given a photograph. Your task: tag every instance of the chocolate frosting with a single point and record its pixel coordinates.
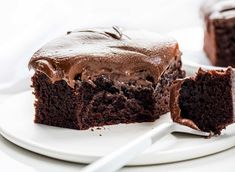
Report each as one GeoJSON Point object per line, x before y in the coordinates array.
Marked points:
{"type": "Point", "coordinates": [90, 52]}
{"type": "Point", "coordinates": [219, 9]}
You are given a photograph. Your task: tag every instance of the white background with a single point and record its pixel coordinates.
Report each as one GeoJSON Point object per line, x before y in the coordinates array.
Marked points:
{"type": "Point", "coordinates": [28, 24]}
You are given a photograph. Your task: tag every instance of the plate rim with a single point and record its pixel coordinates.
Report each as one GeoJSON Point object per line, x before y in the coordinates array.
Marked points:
{"type": "Point", "coordinates": [138, 161]}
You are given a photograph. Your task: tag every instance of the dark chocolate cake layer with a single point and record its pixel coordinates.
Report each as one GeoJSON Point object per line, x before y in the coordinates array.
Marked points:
{"type": "Point", "coordinates": [100, 77]}
{"type": "Point", "coordinates": [204, 102]}
{"type": "Point", "coordinates": [219, 35]}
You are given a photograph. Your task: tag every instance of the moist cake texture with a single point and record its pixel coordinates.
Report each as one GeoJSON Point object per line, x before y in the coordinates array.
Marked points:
{"type": "Point", "coordinates": [219, 31]}
{"type": "Point", "coordinates": [204, 102]}
{"type": "Point", "coordinates": [103, 76]}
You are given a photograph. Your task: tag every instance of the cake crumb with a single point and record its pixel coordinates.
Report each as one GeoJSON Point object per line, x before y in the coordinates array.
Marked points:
{"type": "Point", "coordinates": [92, 129]}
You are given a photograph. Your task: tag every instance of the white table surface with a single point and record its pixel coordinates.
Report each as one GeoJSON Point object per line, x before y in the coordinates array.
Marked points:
{"type": "Point", "coordinates": [27, 24]}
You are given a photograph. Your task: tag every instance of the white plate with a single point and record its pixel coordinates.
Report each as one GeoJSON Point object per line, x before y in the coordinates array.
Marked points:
{"type": "Point", "coordinates": [16, 124]}
{"type": "Point", "coordinates": [191, 44]}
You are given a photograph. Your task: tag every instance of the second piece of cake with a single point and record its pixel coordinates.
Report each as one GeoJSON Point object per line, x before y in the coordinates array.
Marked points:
{"type": "Point", "coordinates": [205, 102]}
{"type": "Point", "coordinates": [219, 31]}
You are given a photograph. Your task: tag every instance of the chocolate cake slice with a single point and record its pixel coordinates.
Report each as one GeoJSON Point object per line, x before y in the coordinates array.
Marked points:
{"type": "Point", "coordinates": [97, 77]}
{"type": "Point", "coordinates": [219, 35]}
{"type": "Point", "coordinates": [205, 102]}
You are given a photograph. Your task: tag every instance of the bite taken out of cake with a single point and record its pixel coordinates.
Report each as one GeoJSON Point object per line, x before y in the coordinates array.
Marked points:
{"type": "Point", "coordinates": [219, 31]}
{"type": "Point", "coordinates": [206, 101]}
{"type": "Point", "coordinates": [103, 76]}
